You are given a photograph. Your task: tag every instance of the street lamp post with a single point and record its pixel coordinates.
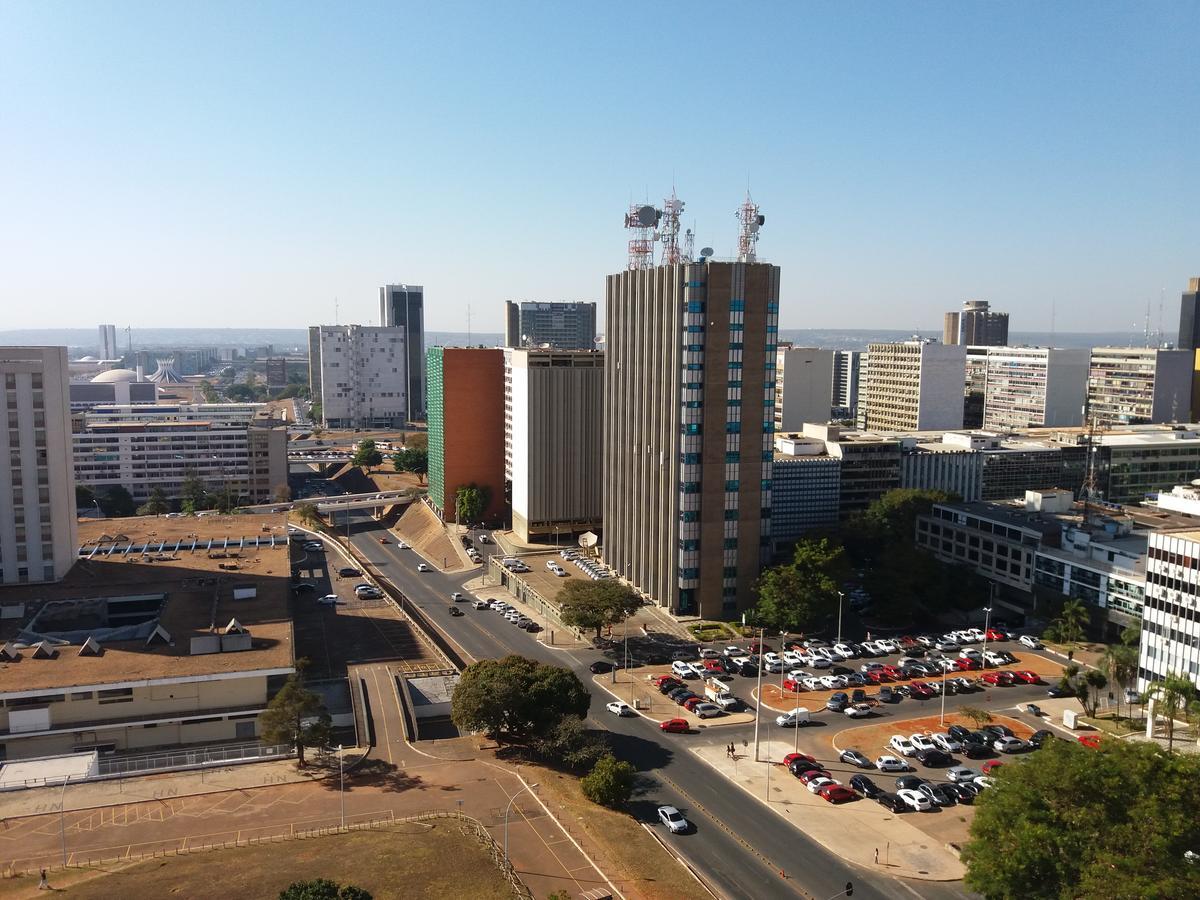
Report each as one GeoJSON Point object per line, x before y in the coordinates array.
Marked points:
{"type": "Point", "coordinates": [942, 718]}
{"type": "Point", "coordinates": [841, 597]}
{"type": "Point", "coordinates": [529, 788]}
{"type": "Point", "coordinates": [342, 784]}
{"type": "Point", "coordinates": [758, 705]}
{"type": "Point", "coordinates": [987, 617]}
{"type": "Point", "coordinates": [62, 818]}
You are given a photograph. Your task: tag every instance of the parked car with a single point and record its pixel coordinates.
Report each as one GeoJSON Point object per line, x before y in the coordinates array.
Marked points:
{"type": "Point", "coordinates": [865, 786]}
{"type": "Point", "coordinates": [914, 800]}
{"type": "Point", "coordinates": [932, 758]}
{"type": "Point", "coordinates": [922, 742]}
{"type": "Point", "coordinates": [800, 766]}
{"type": "Point", "coordinates": [835, 793]}
{"type": "Point", "coordinates": [673, 819]}
{"type": "Point", "coordinates": [1040, 738]}
{"type": "Point", "coordinates": [706, 710]}
{"type": "Point", "coordinates": [328, 600]}
{"type": "Point", "coordinates": [997, 730]}
{"type": "Point", "coordinates": [891, 802]}
{"type": "Point", "coordinates": [304, 587]}
{"type": "Point", "coordinates": [902, 745]}
{"type": "Point", "coordinates": [938, 794]}
{"type": "Point", "coordinates": [815, 785]}
{"type": "Point", "coordinates": [1030, 641]}
{"type": "Point", "coordinates": [856, 758]}
{"type": "Point", "coordinates": [948, 743]}
{"type": "Point", "coordinates": [349, 572]}
{"type": "Point", "coordinates": [795, 757]}
{"type": "Point", "coordinates": [990, 766]}
{"type": "Point", "coordinates": [812, 775]}
{"type": "Point", "coordinates": [891, 764]}
{"type": "Point", "coordinates": [837, 702]}
{"type": "Point", "coordinates": [676, 726]}
{"type": "Point", "coordinates": [961, 773]}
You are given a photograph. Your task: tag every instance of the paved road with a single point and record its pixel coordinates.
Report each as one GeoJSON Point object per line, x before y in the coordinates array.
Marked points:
{"type": "Point", "coordinates": [738, 846]}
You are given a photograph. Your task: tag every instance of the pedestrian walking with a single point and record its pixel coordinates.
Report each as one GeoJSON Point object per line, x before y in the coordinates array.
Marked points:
{"type": "Point", "coordinates": [876, 856]}
{"type": "Point", "coordinates": [43, 885]}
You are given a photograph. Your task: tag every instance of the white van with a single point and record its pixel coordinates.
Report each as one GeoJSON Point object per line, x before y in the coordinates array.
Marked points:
{"type": "Point", "coordinates": [797, 718]}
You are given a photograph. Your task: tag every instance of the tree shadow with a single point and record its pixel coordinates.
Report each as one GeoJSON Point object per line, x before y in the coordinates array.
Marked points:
{"type": "Point", "coordinates": [376, 773]}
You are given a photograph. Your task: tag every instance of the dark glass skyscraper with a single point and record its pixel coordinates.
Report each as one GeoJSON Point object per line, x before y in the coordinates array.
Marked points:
{"type": "Point", "coordinates": [403, 306]}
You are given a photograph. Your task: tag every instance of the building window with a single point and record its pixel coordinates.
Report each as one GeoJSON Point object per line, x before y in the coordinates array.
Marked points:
{"type": "Point", "coordinates": [729, 572]}
{"type": "Point", "coordinates": [689, 544]}
{"type": "Point", "coordinates": [731, 486]}
{"type": "Point", "coordinates": [730, 544]}
{"type": "Point", "coordinates": [689, 516]}
{"type": "Point", "coordinates": [737, 305]}
{"type": "Point", "coordinates": [733, 427]}
{"type": "Point", "coordinates": [731, 457]}
{"type": "Point", "coordinates": [695, 306]}
{"type": "Point", "coordinates": [731, 515]}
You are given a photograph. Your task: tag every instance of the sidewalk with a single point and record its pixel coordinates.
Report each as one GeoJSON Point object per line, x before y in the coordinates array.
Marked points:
{"type": "Point", "coordinates": [552, 635]}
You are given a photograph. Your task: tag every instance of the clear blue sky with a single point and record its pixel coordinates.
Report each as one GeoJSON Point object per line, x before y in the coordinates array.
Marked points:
{"type": "Point", "coordinates": [245, 163]}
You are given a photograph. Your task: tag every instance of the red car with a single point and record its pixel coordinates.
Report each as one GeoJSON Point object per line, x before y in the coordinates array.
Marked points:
{"type": "Point", "coordinates": [676, 726]}
{"type": "Point", "coordinates": [660, 680]}
{"type": "Point", "coordinates": [792, 757]}
{"type": "Point", "coordinates": [813, 774]}
{"type": "Point", "coordinates": [835, 793]}
{"type": "Point", "coordinates": [877, 676]}
{"type": "Point", "coordinates": [994, 635]}
{"type": "Point", "coordinates": [714, 665]}
{"type": "Point", "coordinates": [1027, 677]}
{"type": "Point", "coordinates": [893, 672]}
{"type": "Point", "coordinates": [756, 647]}
{"type": "Point", "coordinates": [990, 766]}
{"type": "Point", "coordinates": [966, 665]}
{"type": "Point", "coordinates": [920, 691]}
{"type": "Point", "coordinates": [790, 684]}
{"type": "Point", "coordinates": [1000, 678]}
{"type": "Point", "coordinates": [907, 641]}
{"type": "Point", "coordinates": [1091, 741]}
{"type": "Point", "coordinates": [689, 705]}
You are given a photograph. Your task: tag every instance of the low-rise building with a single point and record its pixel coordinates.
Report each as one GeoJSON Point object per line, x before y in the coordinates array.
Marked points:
{"type": "Point", "coordinates": [803, 387]}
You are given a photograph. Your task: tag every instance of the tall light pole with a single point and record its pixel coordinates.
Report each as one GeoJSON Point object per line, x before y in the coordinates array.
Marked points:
{"type": "Point", "coordinates": [528, 787]}
{"type": "Point", "coordinates": [62, 818]}
{"type": "Point", "coordinates": [987, 617]}
{"type": "Point", "coordinates": [942, 718]}
{"type": "Point", "coordinates": [841, 597]}
{"type": "Point", "coordinates": [758, 705]}
{"type": "Point", "coordinates": [342, 784]}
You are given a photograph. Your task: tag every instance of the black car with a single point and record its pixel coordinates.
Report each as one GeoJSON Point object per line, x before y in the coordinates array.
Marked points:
{"type": "Point", "coordinates": [841, 670]}
{"type": "Point", "coordinates": [916, 651]}
{"type": "Point", "coordinates": [1006, 656]}
{"type": "Point", "coordinates": [856, 759]}
{"type": "Point", "coordinates": [684, 698]}
{"type": "Point", "coordinates": [909, 782]}
{"type": "Point", "coordinates": [599, 667]}
{"type": "Point", "coordinates": [1040, 738]}
{"type": "Point", "coordinates": [997, 731]}
{"type": "Point", "coordinates": [958, 732]}
{"type": "Point", "coordinates": [962, 792]}
{"type": "Point", "coordinates": [931, 758]}
{"type": "Point", "coordinates": [1056, 691]}
{"type": "Point", "coordinates": [975, 749]}
{"type": "Point", "coordinates": [748, 670]}
{"type": "Point", "coordinates": [668, 686]}
{"type": "Point", "coordinates": [348, 572]}
{"type": "Point", "coordinates": [858, 696]}
{"type": "Point", "coordinates": [304, 587]}
{"type": "Point", "coordinates": [654, 658]}
{"type": "Point", "coordinates": [891, 802]}
{"type": "Point", "coordinates": [799, 766]}
{"type": "Point", "coordinates": [678, 692]}
{"type": "Point", "coordinates": [857, 678]}
{"type": "Point", "coordinates": [938, 794]}
{"type": "Point", "coordinates": [902, 690]}
{"type": "Point", "coordinates": [533, 627]}
{"type": "Point", "coordinates": [865, 786]}
{"type": "Point", "coordinates": [455, 611]}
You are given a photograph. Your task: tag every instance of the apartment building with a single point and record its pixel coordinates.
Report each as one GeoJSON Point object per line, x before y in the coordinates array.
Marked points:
{"type": "Point", "coordinates": [688, 431]}
{"type": "Point", "coordinates": [912, 386]}
{"type": "Point", "coordinates": [37, 490]}
{"type": "Point", "coordinates": [975, 387]}
{"type": "Point", "coordinates": [403, 306]}
{"type": "Point", "coordinates": [1170, 643]}
{"type": "Point", "coordinates": [805, 489]}
{"type": "Point", "coordinates": [847, 367]}
{"type": "Point", "coordinates": [363, 375]}
{"type": "Point", "coordinates": [553, 440]}
{"type": "Point", "coordinates": [803, 387]}
{"type": "Point", "coordinates": [159, 636]}
{"type": "Point", "coordinates": [146, 446]}
{"type": "Point", "coordinates": [1032, 387]}
{"type": "Point", "coordinates": [1140, 385]}
{"type": "Point", "coordinates": [975, 324]}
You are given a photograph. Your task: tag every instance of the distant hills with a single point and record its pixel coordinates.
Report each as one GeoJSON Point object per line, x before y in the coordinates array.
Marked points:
{"type": "Point", "coordinates": [285, 340]}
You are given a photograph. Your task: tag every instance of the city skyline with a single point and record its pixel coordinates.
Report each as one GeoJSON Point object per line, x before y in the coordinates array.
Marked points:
{"type": "Point", "coordinates": [1053, 171]}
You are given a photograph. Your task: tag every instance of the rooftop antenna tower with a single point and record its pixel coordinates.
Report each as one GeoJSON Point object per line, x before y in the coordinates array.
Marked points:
{"type": "Point", "coordinates": [642, 219]}
{"type": "Point", "coordinates": [689, 244]}
{"type": "Point", "coordinates": [1147, 323]}
{"type": "Point", "coordinates": [669, 232]}
{"type": "Point", "coordinates": [128, 339]}
{"type": "Point", "coordinates": [751, 220]}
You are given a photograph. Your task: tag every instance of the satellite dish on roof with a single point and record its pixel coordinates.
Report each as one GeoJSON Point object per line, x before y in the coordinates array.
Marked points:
{"type": "Point", "coordinates": [706, 251]}
{"type": "Point", "coordinates": [647, 216]}
{"type": "Point", "coordinates": [762, 220]}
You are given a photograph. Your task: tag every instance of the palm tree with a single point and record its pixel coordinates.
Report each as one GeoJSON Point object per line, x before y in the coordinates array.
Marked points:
{"type": "Point", "coordinates": [1072, 619]}
{"type": "Point", "coordinates": [1120, 662]}
{"type": "Point", "coordinates": [1173, 694]}
{"type": "Point", "coordinates": [308, 514]}
{"type": "Point", "coordinates": [1096, 682]}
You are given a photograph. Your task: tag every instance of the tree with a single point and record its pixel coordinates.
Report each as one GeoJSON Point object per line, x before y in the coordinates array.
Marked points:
{"type": "Point", "coordinates": [979, 717]}
{"type": "Point", "coordinates": [282, 493]}
{"type": "Point", "coordinates": [1096, 682]}
{"type": "Point", "coordinates": [1172, 695]}
{"type": "Point", "coordinates": [570, 744]}
{"type": "Point", "coordinates": [1073, 822]}
{"type": "Point", "coordinates": [470, 501]}
{"type": "Point", "coordinates": [209, 392]}
{"type": "Point", "coordinates": [366, 455]}
{"type": "Point", "coordinates": [1071, 621]}
{"type": "Point", "coordinates": [193, 493]}
{"type": "Point", "coordinates": [225, 500]}
{"type": "Point", "coordinates": [115, 501]}
{"type": "Point", "coordinates": [894, 515]}
{"type": "Point", "coordinates": [799, 595]}
{"type": "Point", "coordinates": [412, 459]}
{"type": "Point", "coordinates": [156, 505]}
{"type": "Point", "coordinates": [308, 514]}
{"type": "Point", "coordinates": [85, 497]}
{"type": "Point", "coordinates": [515, 699]}
{"type": "Point", "coordinates": [316, 414]}
{"type": "Point", "coordinates": [1119, 662]}
{"type": "Point", "coordinates": [322, 889]}
{"type": "Point", "coordinates": [610, 783]}
{"type": "Point", "coordinates": [594, 604]}
{"type": "Point", "coordinates": [295, 716]}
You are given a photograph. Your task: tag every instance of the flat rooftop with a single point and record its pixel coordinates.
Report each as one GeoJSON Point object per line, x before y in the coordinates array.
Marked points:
{"type": "Point", "coordinates": [197, 586]}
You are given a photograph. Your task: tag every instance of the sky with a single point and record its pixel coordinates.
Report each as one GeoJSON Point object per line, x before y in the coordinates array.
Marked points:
{"type": "Point", "coordinates": [249, 164]}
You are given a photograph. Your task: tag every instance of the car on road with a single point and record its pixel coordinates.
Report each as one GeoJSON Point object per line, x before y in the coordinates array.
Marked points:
{"type": "Point", "coordinates": [618, 708]}
{"type": "Point", "coordinates": [795, 718]}
{"type": "Point", "coordinates": [902, 745]}
{"type": "Point", "coordinates": [423, 567]}
{"type": "Point", "coordinates": [673, 819]}
{"type": "Point", "coordinates": [914, 800]}
{"type": "Point", "coordinates": [865, 786]}
{"type": "Point", "coordinates": [349, 572]}
{"type": "Point", "coordinates": [313, 546]}
{"type": "Point", "coordinates": [857, 711]}
{"type": "Point", "coordinates": [856, 758]}
{"type": "Point", "coordinates": [455, 611]}
{"type": "Point", "coordinates": [1030, 641]}
{"type": "Point", "coordinates": [891, 764]}
{"type": "Point", "coordinates": [328, 600]}
{"type": "Point", "coordinates": [304, 587]}
{"type": "Point", "coordinates": [676, 726]}
{"type": "Point", "coordinates": [835, 793]}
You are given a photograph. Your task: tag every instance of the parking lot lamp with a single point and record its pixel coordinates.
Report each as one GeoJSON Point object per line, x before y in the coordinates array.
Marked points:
{"type": "Point", "coordinates": [758, 705]}
{"type": "Point", "coordinates": [342, 784]}
{"type": "Point", "coordinates": [942, 718]}
{"type": "Point", "coordinates": [841, 597]}
{"type": "Point", "coordinates": [528, 787]}
{"type": "Point", "coordinates": [987, 617]}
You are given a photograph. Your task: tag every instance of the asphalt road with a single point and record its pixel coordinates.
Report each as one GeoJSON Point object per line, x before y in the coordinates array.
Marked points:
{"type": "Point", "coordinates": [739, 846]}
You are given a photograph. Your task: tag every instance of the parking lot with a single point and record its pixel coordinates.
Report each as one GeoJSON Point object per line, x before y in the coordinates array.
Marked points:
{"type": "Point", "coordinates": [636, 688]}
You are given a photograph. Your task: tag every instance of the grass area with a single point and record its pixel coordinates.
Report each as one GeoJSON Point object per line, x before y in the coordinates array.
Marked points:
{"type": "Point", "coordinates": [713, 631]}
{"type": "Point", "coordinates": [629, 856]}
{"type": "Point", "coordinates": [1118, 726]}
{"type": "Point", "coordinates": [433, 861]}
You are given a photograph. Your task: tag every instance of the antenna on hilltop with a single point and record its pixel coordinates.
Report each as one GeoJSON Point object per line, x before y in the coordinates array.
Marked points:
{"type": "Point", "coordinates": [751, 220]}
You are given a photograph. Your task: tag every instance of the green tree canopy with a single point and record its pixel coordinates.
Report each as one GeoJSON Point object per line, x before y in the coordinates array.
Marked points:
{"type": "Point", "coordinates": [193, 493]}
{"type": "Point", "coordinates": [515, 699]}
{"type": "Point", "coordinates": [594, 604]}
{"type": "Point", "coordinates": [308, 514]}
{"type": "Point", "coordinates": [610, 783]}
{"type": "Point", "coordinates": [1172, 698]}
{"type": "Point", "coordinates": [1120, 663]}
{"type": "Point", "coordinates": [209, 392]}
{"type": "Point", "coordinates": [1071, 822]}
{"type": "Point", "coordinates": [367, 454]}
{"type": "Point", "coordinates": [156, 505]}
{"type": "Point", "coordinates": [322, 889]}
{"type": "Point", "coordinates": [412, 459]}
{"type": "Point", "coordinates": [84, 498]}
{"type": "Point", "coordinates": [115, 501]}
{"type": "Point", "coordinates": [799, 595]}
{"type": "Point", "coordinates": [295, 716]}
{"type": "Point", "coordinates": [470, 501]}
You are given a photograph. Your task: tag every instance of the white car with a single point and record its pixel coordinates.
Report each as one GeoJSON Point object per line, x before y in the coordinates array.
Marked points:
{"type": "Point", "coordinates": [481, 604]}
{"type": "Point", "coordinates": [811, 683]}
{"type": "Point", "coordinates": [975, 634]}
{"type": "Point", "coordinates": [871, 667]}
{"type": "Point", "coordinates": [946, 664]}
{"type": "Point", "coordinates": [873, 648]}
{"type": "Point", "coordinates": [792, 658]}
{"type": "Point", "coordinates": [947, 743]}
{"type": "Point", "coordinates": [817, 661]}
{"type": "Point", "coordinates": [423, 567]}
{"type": "Point", "coordinates": [925, 640]}
{"type": "Point", "coordinates": [740, 661]}
{"type": "Point", "coordinates": [673, 819]}
{"type": "Point", "coordinates": [329, 600]}
{"type": "Point", "coordinates": [993, 659]}
{"type": "Point", "coordinates": [843, 651]}
{"type": "Point", "coordinates": [834, 682]}
{"type": "Point", "coordinates": [1030, 641]}
{"type": "Point", "coordinates": [891, 764]}
{"type": "Point", "coordinates": [817, 783]}
{"type": "Point", "coordinates": [1008, 745]}
{"type": "Point", "coordinates": [857, 711]}
{"type": "Point", "coordinates": [922, 742]}
{"type": "Point", "coordinates": [733, 651]}
{"type": "Point", "coordinates": [775, 665]}
{"type": "Point", "coordinates": [902, 745]}
{"type": "Point", "coordinates": [888, 645]}
{"type": "Point", "coordinates": [959, 774]}
{"type": "Point", "coordinates": [400, 545]}
{"type": "Point", "coordinates": [797, 674]}
{"type": "Point", "coordinates": [984, 781]}
{"type": "Point", "coordinates": [698, 670]}
{"type": "Point", "coordinates": [914, 799]}
{"type": "Point", "coordinates": [617, 708]}
{"type": "Point", "coordinates": [770, 658]}
{"type": "Point", "coordinates": [945, 645]}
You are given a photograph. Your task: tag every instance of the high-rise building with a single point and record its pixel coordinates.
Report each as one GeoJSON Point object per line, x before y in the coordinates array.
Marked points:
{"type": "Point", "coordinates": [276, 373]}
{"type": "Point", "coordinates": [403, 306]}
{"type": "Point", "coordinates": [976, 324]}
{"type": "Point", "coordinates": [1189, 317]}
{"type": "Point", "coordinates": [912, 386]}
{"type": "Point", "coordinates": [553, 441]}
{"type": "Point", "coordinates": [975, 387]}
{"type": "Point", "coordinates": [1028, 387]}
{"type": "Point", "coordinates": [688, 431]}
{"type": "Point", "coordinates": [38, 533]}
{"type": "Point", "coordinates": [803, 387]}
{"type": "Point", "coordinates": [466, 427]}
{"type": "Point", "coordinates": [108, 342]}
{"type": "Point", "coordinates": [363, 375]}
{"type": "Point", "coordinates": [561, 326]}
{"type": "Point", "coordinates": [847, 365]}
{"type": "Point", "coordinates": [1140, 385]}
{"type": "Point", "coordinates": [1170, 642]}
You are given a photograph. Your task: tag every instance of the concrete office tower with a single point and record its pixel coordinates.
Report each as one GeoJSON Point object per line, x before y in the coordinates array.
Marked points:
{"type": "Point", "coordinates": [561, 326]}
{"type": "Point", "coordinates": [1189, 317]}
{"type": "Point", "coordinates": [975, 387]}
{"type": "Point", "coordinates": [847, 367]}
{"type": "Point", "coordinates": [1028, 387]}
{"type": "Point", "coordinates": [1140, 385]}
{"type": "Point", "coordinates": [403, 306]}
{"type": "Point", "coordinates": [976, 324]}
{"type": "Point", "coordinates": [466, 427]}
{"type": "Point", "coordinates": [512, 324]}
{"type": "Point", "coordinates": [688, 431]}
{"type": "Point", "coordinates": [913, 386]}
{"type": "Point", "coordinates": [363, 375]}
{"type": "Point", "coordinates": [1170, 627]}
{"type": "Point", "coordinates": [803, 386]}
{"type": "Point", "coordinates": [38, 532]}
{"type": "Point", "coordinates": [108, 342]}
{"type": "Point", "coordinates": [553, 440]}
{"type": "Point", "coordinates": [950, 328]}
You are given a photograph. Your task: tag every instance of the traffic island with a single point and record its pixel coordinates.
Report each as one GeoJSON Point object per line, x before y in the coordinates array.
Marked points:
{"type": "Point", "coordinates": [636, 688]}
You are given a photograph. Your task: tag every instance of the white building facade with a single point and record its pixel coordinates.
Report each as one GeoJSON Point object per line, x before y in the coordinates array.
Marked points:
{"type": "Point", "coordinates": [912, 386]}
{"type": "Point", "coordinates": [1171, 613]}
{"type": "Point", "coordinates": [363, 378]}
{"type": "Point", "coordinates": [803, 387]}
{"type": "Point", "coordinates": [1031, 387]}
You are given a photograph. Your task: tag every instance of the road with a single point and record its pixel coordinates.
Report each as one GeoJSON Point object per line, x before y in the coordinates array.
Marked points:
{"type": "Point", "coordinates": [738, 846]}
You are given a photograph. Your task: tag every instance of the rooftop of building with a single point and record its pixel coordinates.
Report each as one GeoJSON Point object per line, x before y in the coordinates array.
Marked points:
{"type": "Point", "coordinates": [144, 608]}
